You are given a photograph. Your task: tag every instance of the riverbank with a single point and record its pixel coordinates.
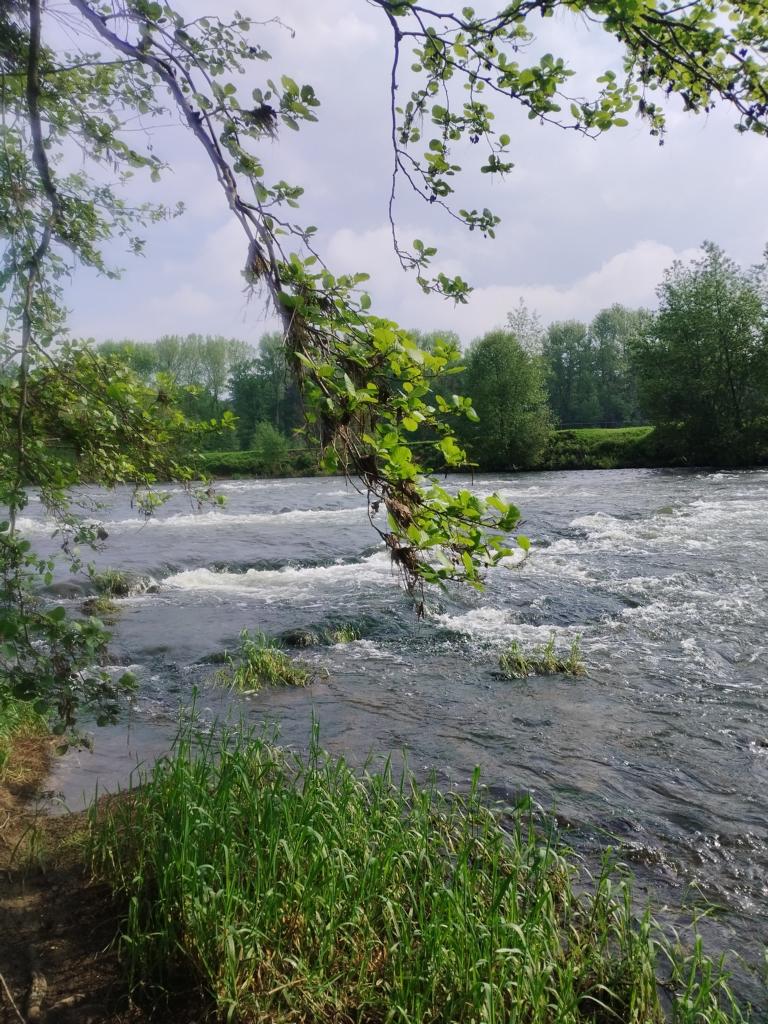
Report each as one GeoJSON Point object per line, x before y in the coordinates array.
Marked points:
{"type": "Point", "coordinates": [251, 884]}
{"type": "Point", "coordinates": [56, 926]}
{"type": "Point", "coordinates": [587, 448]}
{"type": "Point", "coordinates": [603, 448]}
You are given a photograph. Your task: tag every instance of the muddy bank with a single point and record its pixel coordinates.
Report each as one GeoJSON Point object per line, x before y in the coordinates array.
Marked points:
{"type": "Point", "coordinates": [57, 957]}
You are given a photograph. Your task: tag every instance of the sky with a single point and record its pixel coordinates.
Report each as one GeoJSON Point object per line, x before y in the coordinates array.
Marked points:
{"type": "Point", "coordinates": [585, 223]}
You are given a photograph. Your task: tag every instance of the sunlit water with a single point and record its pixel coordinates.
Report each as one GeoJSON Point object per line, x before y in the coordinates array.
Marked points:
{"type": "Point", "coordinates": [662, 752]}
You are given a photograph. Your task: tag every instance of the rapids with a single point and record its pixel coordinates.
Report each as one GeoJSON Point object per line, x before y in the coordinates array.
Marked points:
{"type": "Point", "coordinates": [661, 753]}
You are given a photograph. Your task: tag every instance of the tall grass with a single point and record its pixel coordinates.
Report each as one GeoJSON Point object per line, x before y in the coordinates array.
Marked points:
{"type": "Point", "coordinates": [517, 663]}
{"type": "Point", "coordinates": [260, 661]}
{"type": "Point", "coordinates": [114, 582]}
{"type": "Point", "coordinates": [294, 890]}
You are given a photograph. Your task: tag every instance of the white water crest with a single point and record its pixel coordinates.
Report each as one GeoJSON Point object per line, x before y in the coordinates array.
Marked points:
{"type": "Point", "coordinates": [288, 581]}
{"type": "Point", "coordinates": [27, 525]}
{"type": "Point", "coordinates": [497, 625]}
{"type": "Point", "coordinates": [213, 517]}
{"type": "Point", "coordinates": [700, 525]}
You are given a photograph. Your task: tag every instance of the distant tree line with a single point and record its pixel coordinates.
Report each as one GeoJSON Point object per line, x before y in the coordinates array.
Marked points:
{"type": "Point", "coordinates": [212, 375]}
{"type": "Point", "coordinates": [696, 369]}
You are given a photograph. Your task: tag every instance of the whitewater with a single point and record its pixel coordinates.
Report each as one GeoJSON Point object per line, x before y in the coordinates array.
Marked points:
{"type": "Point", "coordinates": [661, 752]}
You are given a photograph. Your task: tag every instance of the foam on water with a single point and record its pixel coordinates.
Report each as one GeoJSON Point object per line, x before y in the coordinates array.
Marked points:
{"type": "Point", "coordinates": [366, 650]}
{"type": "Point", "coordinates": [289, 581]}
{"type": "Point", "coordinates": [27, 525]}
{"type": "Point", "coordinates": [213, 517]}
{"type": "Point", "coordinates": [702, 524]}
{"type": "Point", "coordinates": [714, 609]}
{"type": "Point", "coordinates": [497, 625]}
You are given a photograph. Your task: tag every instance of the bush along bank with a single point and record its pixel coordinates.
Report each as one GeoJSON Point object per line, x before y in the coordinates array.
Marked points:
{"type": "Point", "coordinates": [251, 463]}
{"type": "Point", "coordinates": [586, 448]}
{"type": "Point", "coordinates": [603, 448]}
{"type": "Point", "coordinates": [290, 889]}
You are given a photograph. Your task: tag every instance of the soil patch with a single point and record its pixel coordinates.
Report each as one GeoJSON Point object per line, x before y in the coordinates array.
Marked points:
{"type": "Point", "coordinates": [58, 959]}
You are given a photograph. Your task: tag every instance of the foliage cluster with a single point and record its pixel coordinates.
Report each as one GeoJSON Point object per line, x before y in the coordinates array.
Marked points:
{"type": "Point", "coordinates": [290, 889]}
{"type": "Point", "coordinates": [506, 385]}
{"type": "Point", "coordinates": [703, 361]}
{"type": "Point", "coordinates": [66, 421]}
{"type": "Point", "coordinates": [590, 376]}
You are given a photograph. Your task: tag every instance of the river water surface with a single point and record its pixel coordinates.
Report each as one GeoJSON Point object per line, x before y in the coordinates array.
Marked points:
{"type": "Point", "coordinates": [661, 752]}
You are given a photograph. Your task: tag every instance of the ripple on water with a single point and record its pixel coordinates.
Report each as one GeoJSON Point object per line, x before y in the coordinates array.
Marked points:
{"type": "Point", "coordinates": [662, 750]}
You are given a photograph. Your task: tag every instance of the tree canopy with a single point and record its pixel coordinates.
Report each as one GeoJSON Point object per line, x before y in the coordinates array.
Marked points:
{"type": "Point", "coordinates": [703, 360]}
{"type": "Point", "coordinates": [506, 385]}
{"type": "Point", "coordinates": [590, 376]}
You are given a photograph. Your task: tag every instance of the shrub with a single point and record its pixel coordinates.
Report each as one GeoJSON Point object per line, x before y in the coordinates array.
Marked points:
{"type": "Point", "coordinates": [602, 448]}
{"type": "Point", "coordinates": [271, 449]}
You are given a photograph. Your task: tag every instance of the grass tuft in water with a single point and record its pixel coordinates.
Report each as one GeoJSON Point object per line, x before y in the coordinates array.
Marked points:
{"type": "Point", "coordinates": [293, 890]}
{"type": "Point", "coordinates": [516, 663]}
{"type": "Point", "coordinates": [344, 634]}
{"type": "Point", "coordinates": [100, 605]}
{"type": "Point", "coordinates": [113, 582]}
{"type": "Point", "coordinates": [259, 662]}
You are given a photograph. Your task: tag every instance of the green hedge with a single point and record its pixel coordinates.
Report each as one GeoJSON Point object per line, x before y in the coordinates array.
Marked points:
{"type": "Point", "coordinates": [585, 448]}
{"type": "Point", "coordinates": [602, 448]}
{"type": "Point", "coordinates": [300, 463]}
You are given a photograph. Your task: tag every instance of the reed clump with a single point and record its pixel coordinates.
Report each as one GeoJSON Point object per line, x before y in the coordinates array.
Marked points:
{"type": "Point", "coordinates": [346, 633]}
{"type": "Point", "coordinates": [291, 889]}
{"type": "Point", "coordinates": [517, 663]}
{"type": "Point", "coordinates": [114, 582]}
{"type": "Point", "coordinates": [260, 661]}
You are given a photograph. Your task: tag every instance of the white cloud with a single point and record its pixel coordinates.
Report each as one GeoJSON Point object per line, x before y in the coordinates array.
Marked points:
{"type": "Point", "coordinates": [584, 224]}
{"type": "Point", "coordinates": [629, 277]}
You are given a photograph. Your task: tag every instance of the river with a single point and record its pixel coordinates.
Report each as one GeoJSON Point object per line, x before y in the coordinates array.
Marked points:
{"type": "Point", "coordinates": [661, 752]}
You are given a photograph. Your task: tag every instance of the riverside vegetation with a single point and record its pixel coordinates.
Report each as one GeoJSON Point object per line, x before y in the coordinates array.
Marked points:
{"type": "Point", "coordinates": [265, 885]}
{"type": "Point", "coordinates": [291, 889]}
{"type": "Point", "coordinates": [484, 914]}
{"type": "Point", "coordinates": [585, 448]}
{"type": "Point", "coordinates": [685, 384]}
